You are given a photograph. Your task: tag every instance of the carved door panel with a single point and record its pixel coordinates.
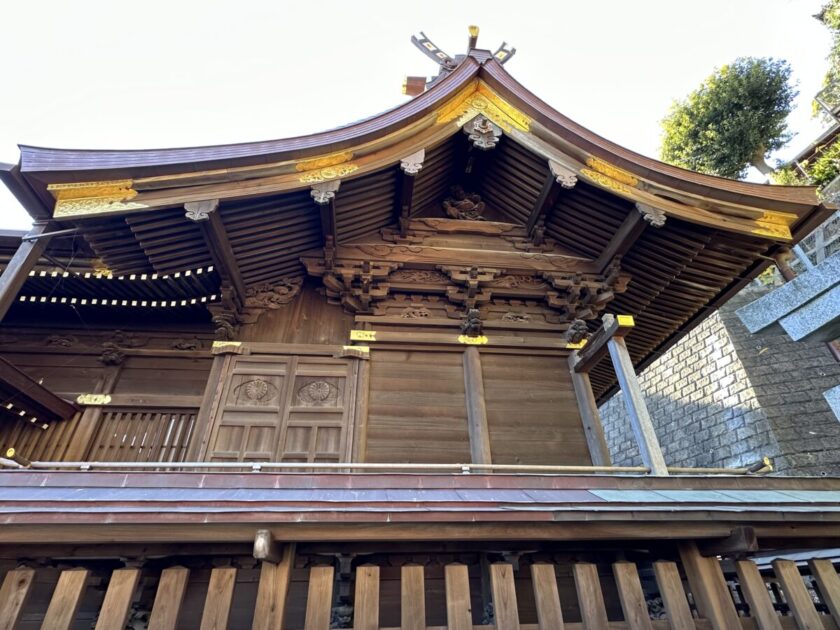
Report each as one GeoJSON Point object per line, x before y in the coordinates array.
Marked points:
{"type": "Point", "coordinates": [284, 408]}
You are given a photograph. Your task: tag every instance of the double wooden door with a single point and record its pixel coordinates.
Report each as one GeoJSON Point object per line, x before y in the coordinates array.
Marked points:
{"type": "Point", "coordinates": [283, 407]}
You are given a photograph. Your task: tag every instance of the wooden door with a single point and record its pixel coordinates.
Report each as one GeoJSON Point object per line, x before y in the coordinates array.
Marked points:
{"type": "Point", "coordinates": [283, 407]}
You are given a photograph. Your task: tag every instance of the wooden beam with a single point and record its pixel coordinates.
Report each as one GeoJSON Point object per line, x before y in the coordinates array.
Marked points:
{"type": "Point", "coordinates": [206, 215]}
{"type": "Point", "coordinates": [741, 540]}
{"type": "Point", "coordinates": [169, 597]}
{"type": "Point", "coordinates": [476, 408]}
{"type": "Point", "coordinates": [17, 271]}
{"type": "Point", "coordinates": [708, 586]}
{"type": "Point", "coordinates": [118, 598]}
{"type": "Point", "coordinates": [14, 593]}
{"type": "Point", "coordinates": [634, 402]}
{"type": "Point", "coordinates": [797, 596]}
{"type": "Point", "coordinates": [673, 595]}
{"type": "Point", "coordinates": [626, 234]}
{"type": "Point", "coordinates": [324, 195]}
{"type": "Point", "coordinates": [219, 599]}
{"type": "Point", "coordinates": [409, 167]}
{"type": "Point", "coordinates": [545, 202]}
{"type": "Point", "coordinates": [273, 590]}
{"type": "Point", "coordinates": [596, 346]}
{"type": "Point", "coordinates": [412, 598]}
{"type": "Point", "coordinates": [32, 396]}
{"type": "Point", "coordinates": [755, 591]}
{"type": "Point", "coordinates": [66, 599]}
{"type": "Point", "coordinates": [593, 430]}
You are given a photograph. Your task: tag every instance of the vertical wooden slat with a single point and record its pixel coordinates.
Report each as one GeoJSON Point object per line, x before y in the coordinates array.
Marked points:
{"type": "Point", "coordinates": [412, 598]}
{"type": "Point", "coordinates": [593, 613]}
{"type": "Point", "coordinates": [673, 595]}
{"type": "Point", "coordinates": [366, 603]}
{"type": "Point", "coordinates": [13, 595]}
{"type": "Point", "coordinates": [458, 607]}
{"type": "Point", "coordinates": [65, 600]}
{"type": "Point", "coordinates": [168, 599]}
{"type": "Point", "coordinates": [599, 452]}
{"type": "Point", "coordinates": [632, 598]}
{"type": "Point", "coordinates": [829, 585]}
{"type": "Point", "coordinates": [505, 609]}
{"type": "Point", "coordinates": [800, 602]}
{"type": "Point", "coordinates": [547, 597]}
{"type": "Point", "coordinates": [755, 592]}
{"type": "Point", "coordinates": [117, 602]}
{"type": "Point", "coordinates": [708, 586]}
{"type": "Point", "coordinates": [272, 591]}
{"type": "Point", "coordinates": [219, 599]}
{"type": "Point", "coordinates": [319, 599]}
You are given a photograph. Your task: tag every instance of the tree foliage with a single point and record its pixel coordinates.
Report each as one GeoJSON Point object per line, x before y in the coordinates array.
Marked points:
{"type": "Point", "coordinates": [733, 120]}
{"type": "Point", "coordinates": [830, 16]}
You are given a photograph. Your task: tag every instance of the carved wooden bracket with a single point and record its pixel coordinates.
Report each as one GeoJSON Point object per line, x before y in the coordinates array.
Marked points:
{"type": "Point", "coordinates": [483, 133]}
{"type": "Point", "coordinates": [324, 192]}
{"type": "Point", "coordinates": [564, 176]}
{"type": "Point", "coordinates": [654, 216]}
{"type": "Point", "coordinates": [411, 164]}
{"type": "Point", "coordinates": [353, 284]}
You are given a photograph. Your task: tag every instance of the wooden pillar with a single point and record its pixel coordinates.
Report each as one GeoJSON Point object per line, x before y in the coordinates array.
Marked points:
{"type": "Point", "coordinates": [25, 258]}
{"type": "Point", "coordinates": [476, 408]}
{"type": "Point", "coordinates": [634, 401]}
{"type": "Point", "coordinates": [88, 424]}
{"type": "Point", "coordinates": [711, 595]}
{"type": "Point", "coordinates": [592, 428]}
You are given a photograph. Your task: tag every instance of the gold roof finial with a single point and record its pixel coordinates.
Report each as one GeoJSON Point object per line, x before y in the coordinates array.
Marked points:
{"type": "Point", "coordinates": [473, 29]}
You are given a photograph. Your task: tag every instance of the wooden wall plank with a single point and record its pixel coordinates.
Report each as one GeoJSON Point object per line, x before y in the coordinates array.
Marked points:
{"type": "Point", "coordinates": [366, 603]}
{"type": "Point", "coordinates": [708, 586]}
{"type": "Point", "coordinates": [829, 585]}
{"type": "Point", "coordinates": [273, 589]}
{"type": "Point", "coordinates": [219, 599]}
{"type": "Point", "coordinates": [593, 613]}
{"type": "Point", "coordinates": [319, 599]}
{"type": "Point", "coordinates": [807, 617]}
{"type": "Point", "coordinates": [13, 595]}
{"type": "Point", "coordinates": [412, 598]}
{"type": "Point", "coordinates": [673, 595]}
{"type": "Point", "coordinates": [547, 597]}
{"type": "Point", "coordinates": [169, 597]}
{"type": "Point", "coordinates": [118, 597]}
{"type": "Point", "coordinates": [66, 599]}
{"type": "Point", "coordinates": [755, 592]}
{"type": "Point", "coordinates": [632, 598]}
{"type": "Point", "coordinates": [505, 609]}
{"type": "Point", "coordinates": [458, 606]}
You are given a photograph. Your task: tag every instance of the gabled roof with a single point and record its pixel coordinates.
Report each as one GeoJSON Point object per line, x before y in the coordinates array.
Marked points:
{"type": "Point", "coordinates": [146, 179]}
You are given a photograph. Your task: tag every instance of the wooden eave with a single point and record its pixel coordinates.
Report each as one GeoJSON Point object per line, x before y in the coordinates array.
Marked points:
{"type": "Point", "coordinates": [24, 398]}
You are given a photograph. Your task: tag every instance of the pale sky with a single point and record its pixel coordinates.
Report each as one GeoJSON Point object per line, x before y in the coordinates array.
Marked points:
{"type": "Point", "coordinates": [116, 75]}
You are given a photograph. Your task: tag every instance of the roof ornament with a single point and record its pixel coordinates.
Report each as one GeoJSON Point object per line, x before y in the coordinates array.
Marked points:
{"type": "Point", "coordinates": [412, 86]}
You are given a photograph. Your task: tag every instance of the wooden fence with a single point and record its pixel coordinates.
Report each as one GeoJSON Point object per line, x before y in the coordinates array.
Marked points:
{"type": "Point", "coordinates": [695, 593]}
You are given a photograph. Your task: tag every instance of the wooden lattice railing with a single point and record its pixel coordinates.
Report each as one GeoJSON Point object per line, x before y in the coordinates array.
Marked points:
{"type": "Point", "coordinates": [696, 593]}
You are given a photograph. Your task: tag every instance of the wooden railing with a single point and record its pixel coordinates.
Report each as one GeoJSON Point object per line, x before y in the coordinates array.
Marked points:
{"type": "Point", "coordinates": [693, 593]}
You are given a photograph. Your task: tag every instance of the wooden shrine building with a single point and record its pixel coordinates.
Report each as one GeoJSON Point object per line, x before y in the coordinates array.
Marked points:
{"type": "Point", "coordinates": [351, 379]}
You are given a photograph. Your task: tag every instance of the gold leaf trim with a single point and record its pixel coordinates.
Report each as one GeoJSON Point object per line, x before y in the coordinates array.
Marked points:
{"type": "Point", "coordinates": [323, 161]}
{"type": "Point", "coordinates": [328, 173]}
{"type": "Point", "coordinates": [606, 182]}
{"type": "Point", "coordinates": [362, 335]}
{"type": "Point", "coordinates": [93, 399]}
{"type": "Point", "coordinates": [481, 340]}
{"type": "Point", "coordinates": [217, 345]}
{"type": "Point", "coordinates": [613, 172]}
{"type": "Point", "coordinates": [94, 198]}
{"type": "Point", "coordinates": [478, 98]}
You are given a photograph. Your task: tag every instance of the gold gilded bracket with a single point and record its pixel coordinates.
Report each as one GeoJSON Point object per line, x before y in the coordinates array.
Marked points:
{"type": "Point", "coordinates": [93, 400]}
{"type": "Point", "coordinates": [93, 198]}
{"type": "Point", "coordinates": [481, 340]}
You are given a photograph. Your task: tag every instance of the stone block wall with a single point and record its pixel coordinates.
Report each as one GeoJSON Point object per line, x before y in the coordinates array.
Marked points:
{"type": "Point", "coordinates": [724, 397]}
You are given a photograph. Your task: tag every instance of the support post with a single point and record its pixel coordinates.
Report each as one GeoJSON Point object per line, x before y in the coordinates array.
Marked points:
{"type": "Point", "coordinates": [476, 408]}
{"type": "Point", "coordinates": [634, 401]}
{"type": "Point", "coordinates": [17, 271]}
{"type": "Point", "coordinates": [592, 427]}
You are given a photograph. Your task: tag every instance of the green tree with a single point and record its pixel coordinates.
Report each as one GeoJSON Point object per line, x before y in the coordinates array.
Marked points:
{"type": "Point", "coordinates": [733, 120]}
{"type": "Point", "coordinates": [830, 95]}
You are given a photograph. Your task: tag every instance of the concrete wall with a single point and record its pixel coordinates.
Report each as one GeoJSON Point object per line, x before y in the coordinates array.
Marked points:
{"type": "Point", "coordinates": [723, 397]}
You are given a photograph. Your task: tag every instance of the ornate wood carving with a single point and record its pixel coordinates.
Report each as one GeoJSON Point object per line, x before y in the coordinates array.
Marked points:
{"type": "Point", "coordinates": [483, 133]}
{"type": "Point", "coordinates": [354, 285]}
{"type": "Point", "coordinates": [463, 205]}
{"type": "Point", "coordinates": [564, 176]}
{"type": "Point", "coordinates": [411, 164]}
{"type": "Point", "coordinates": [273, 296]}
{"type": "Point", "coordinates": [654, 216]}
{"type": "Point", "coordinates": [200, 210]}
{"type": "Point", "coordinates": [324, 192]}
{"type": "Point", "coordinates": [471, 326]}
{"type": "Point", "coordinates": [317, 392]}
{"type": "Point", "coordinates": [576, 331]}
